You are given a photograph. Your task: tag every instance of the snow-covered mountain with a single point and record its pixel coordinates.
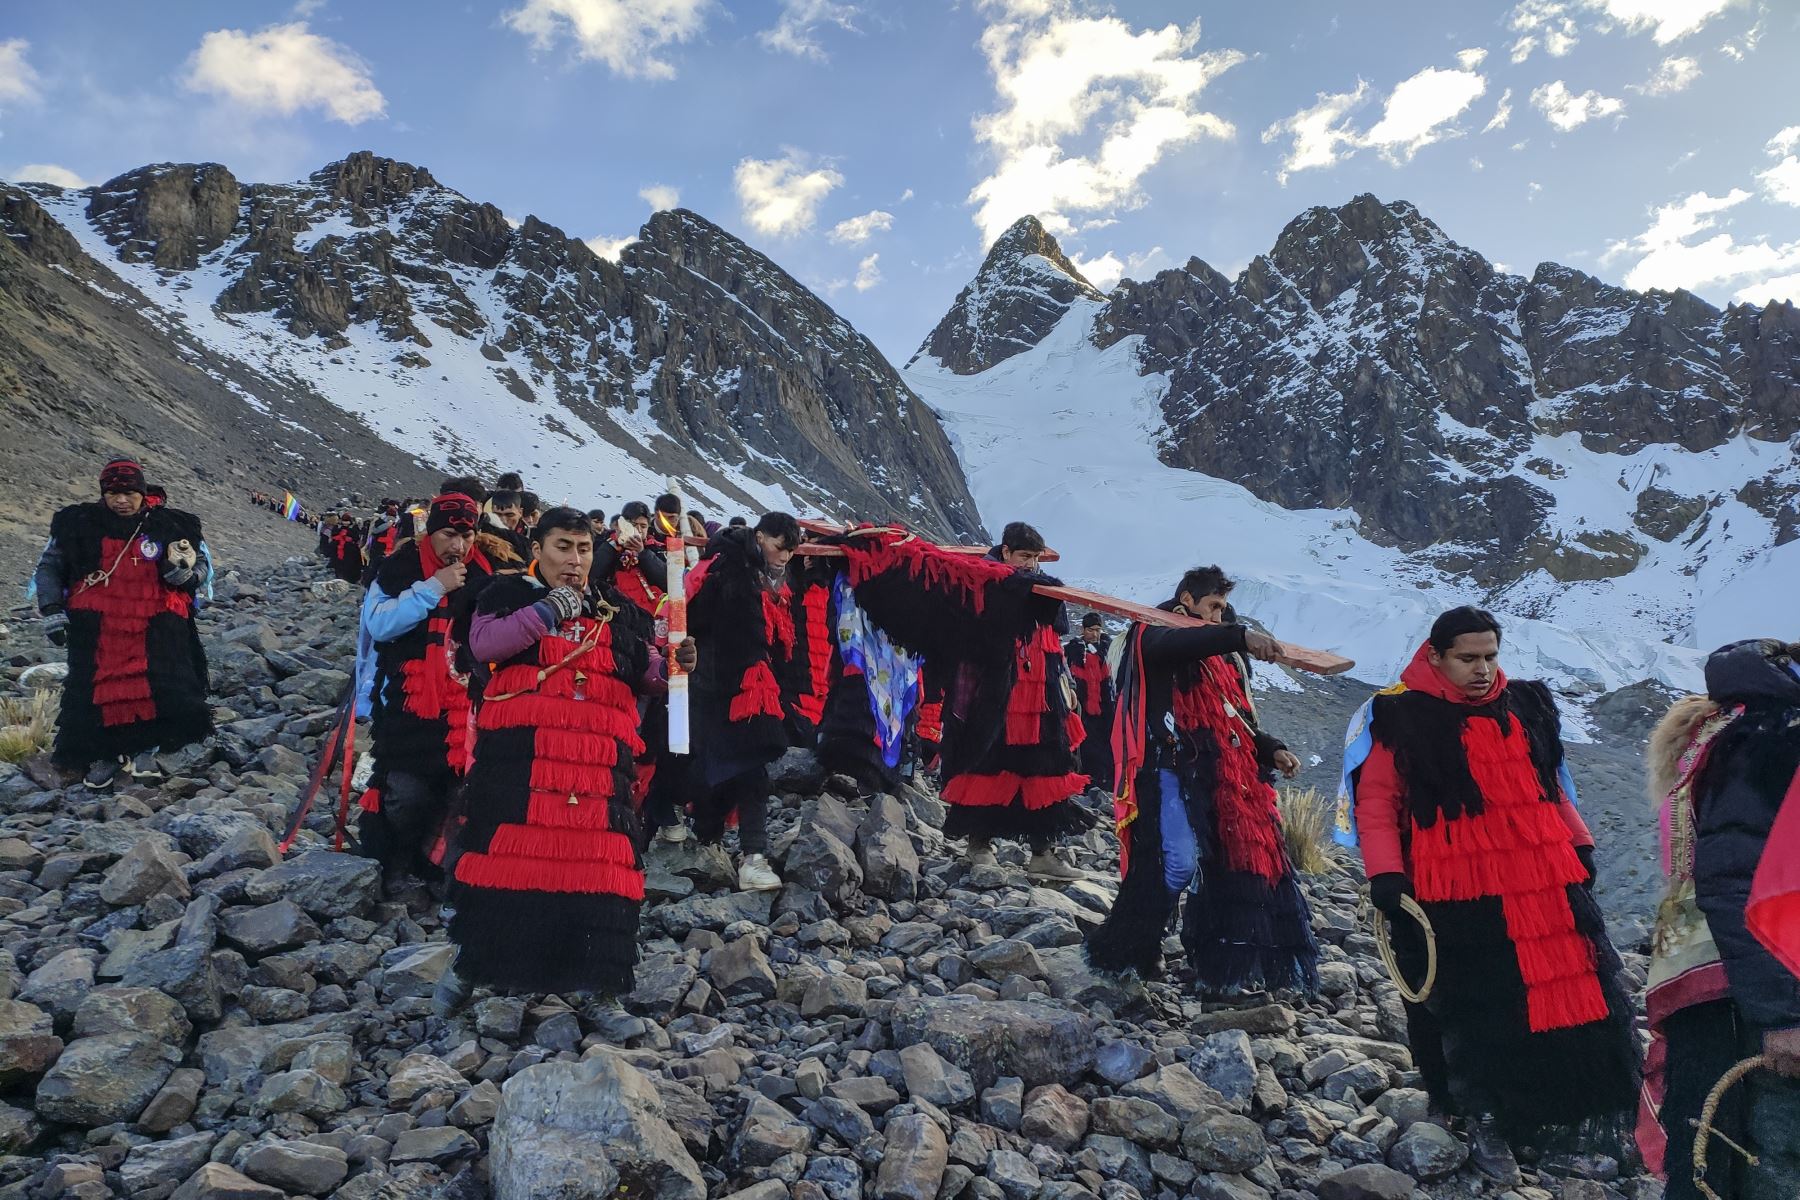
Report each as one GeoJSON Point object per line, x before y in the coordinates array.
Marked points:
{"type": "Point", "coordinates": [1372, 422]}
{"type": "Point", "coordinates": [470, 343]}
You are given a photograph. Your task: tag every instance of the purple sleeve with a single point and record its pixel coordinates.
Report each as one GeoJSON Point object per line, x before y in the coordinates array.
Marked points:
{"type": "Point", "coordinates": [656, 675]}
{"type": "Point", "coordinates": [496, 639]}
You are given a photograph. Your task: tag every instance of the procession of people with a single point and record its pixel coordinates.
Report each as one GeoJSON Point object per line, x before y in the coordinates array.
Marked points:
{"type": "Point", "coordinates": [514, 664]}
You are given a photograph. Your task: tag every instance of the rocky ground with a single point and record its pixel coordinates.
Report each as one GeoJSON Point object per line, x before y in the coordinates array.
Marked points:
{"type": "Point", "coordinates": [185, 1014]}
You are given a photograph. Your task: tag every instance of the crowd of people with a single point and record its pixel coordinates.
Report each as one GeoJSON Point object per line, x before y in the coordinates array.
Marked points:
{"type": "Point", "coordinates": [514, 663]}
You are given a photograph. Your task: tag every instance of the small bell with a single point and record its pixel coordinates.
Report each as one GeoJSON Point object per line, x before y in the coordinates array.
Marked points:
{"type": "Point", "coordinates": [572, 800]}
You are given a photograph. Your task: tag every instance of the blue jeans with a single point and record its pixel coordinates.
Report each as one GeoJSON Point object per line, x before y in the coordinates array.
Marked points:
{"type": "Point", "coordinates": [1180, 850]}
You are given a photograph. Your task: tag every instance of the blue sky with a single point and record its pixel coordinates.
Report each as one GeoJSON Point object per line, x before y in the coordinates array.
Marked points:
{"type": "Point", "coordinates": [873, 147]}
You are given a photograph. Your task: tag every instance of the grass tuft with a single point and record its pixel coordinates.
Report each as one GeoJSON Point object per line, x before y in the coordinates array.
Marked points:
{"type": "Point", "coordinates": [27, 724]}
{"type": "Point", "coordinates": [1307, 820]}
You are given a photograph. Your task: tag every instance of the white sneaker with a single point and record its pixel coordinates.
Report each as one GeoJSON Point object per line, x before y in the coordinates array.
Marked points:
{"type": "Point", "coordinates": [674, 834]}
{"type": "Point", "coordinates": [756, 875]}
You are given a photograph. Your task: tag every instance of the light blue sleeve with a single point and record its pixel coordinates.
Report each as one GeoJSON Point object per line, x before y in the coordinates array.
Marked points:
{"type": "Point", "coordinates": [385, 618]}
{"type": "Point", "coordinates": [1358, 741]}
{"type": "Point", "coordinates": [1567, 779]}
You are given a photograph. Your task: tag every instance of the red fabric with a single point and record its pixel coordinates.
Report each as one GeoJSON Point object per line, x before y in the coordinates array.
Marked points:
{"type": "Point", "coordinates": [1702, 985]}
{"type": "Point", "coordinates": [1034, 791]}
{"type": "Point", "coordinates": [1090, 679]}
{"type": "Point", "coordinates": [758, 696]}
{"type": "Point", "coordinates": [585, 722]}
{"type": "Point", "coordinates": [778, 622]}
{"type": "Point", "coordinates": [1381, 795]}
{"type": "Point", "coordinates": [931, 722]}
{"type": "Point", "coordinates": [126, 602]}
{"type": "Point", "coordinates": [815, 612]}
{"type": "Point", "coordinates": [1029, 698]}
{"type": "Point", "coordinates": [1519, 849]}
{"type": "Point", "coordinates": [431, 685]}
{"type": "Point", "coordinates": [933, 567]}
{"type": "Point", "coordinates": [390, 537]}
{"type": "Point", "coordinates": [1773, 913]}
{"type": "Point", "coordinates": [370, 800]}
{"type": "Point", "coordinates": [633, 585]}
{"type": "Point", "coordinates": [1249, 823]}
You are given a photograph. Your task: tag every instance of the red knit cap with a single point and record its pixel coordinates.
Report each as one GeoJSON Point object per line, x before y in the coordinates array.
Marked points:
{"type": "Point", "coordinates": [122, 475]}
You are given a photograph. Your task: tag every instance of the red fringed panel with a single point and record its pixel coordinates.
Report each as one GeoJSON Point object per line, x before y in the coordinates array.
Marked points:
{"type": "Point", "coordinates": [758, 696]}
{"type": "Point", "coordinates": [1005, 787]}
{"type": "Point", "coordinates": [370, 800]}
{"type": "Point", "coordinates": [1249, 827]}
{"type": "Point", "coordinates": [634, 587]}
{"type": "Point", "coordinates": [1090, 675]}
{"type": "Point", "coordinates": [931, 567]}
{"type": "Point", "coordinates": [426, 679]}
{"type": "Point", "coordinates": [1516, 848]}
{"type": "Point", "coordinates": [610, 707]}
{"type": "Point", "coordinates": [550, 875]}
{"type": "Point", "coordinates": [1075, 729]}
{"type": "Point", "coordinates": [931, 722]}
{"type": "Point", "coordinates": [126, 604]}
{"type": "Point", "coordinates": [1029, 698]}
{"type": "Point", "coordinates": [815, 606]}
{"type": "Point", "coordinates": [778, 622]}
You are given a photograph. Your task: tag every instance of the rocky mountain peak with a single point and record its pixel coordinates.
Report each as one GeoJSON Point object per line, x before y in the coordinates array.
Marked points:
{"type": "Point", "coordinates": [170, 214]}
{"type": "Point", "coordinates": [1024, 287]}
{"type": "Point", "coordinates": [417, 306]}
{"type": "Point", "coordinates": [370, 181]}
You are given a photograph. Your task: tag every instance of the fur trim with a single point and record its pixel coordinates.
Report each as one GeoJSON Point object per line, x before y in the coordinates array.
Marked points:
{"type": "Point", "coordinates": [1669, 740]}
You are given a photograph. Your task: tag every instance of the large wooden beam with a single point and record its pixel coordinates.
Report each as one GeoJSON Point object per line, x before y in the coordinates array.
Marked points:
{"type": "Point", "coordinates": [1300, 658]}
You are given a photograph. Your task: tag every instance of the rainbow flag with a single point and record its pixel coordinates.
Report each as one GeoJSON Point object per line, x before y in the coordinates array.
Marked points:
{"type": "Point", "coordinates": [290, 507]}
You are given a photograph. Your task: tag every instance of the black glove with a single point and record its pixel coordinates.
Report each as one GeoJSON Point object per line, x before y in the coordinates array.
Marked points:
{"type": "Point", "coordinates": [567, 603]}
{"type": "Point", "coordinates": [56, 627]}
{"type": "Point", "coordinates": [1386, 891]}
{"type": "Point", "coordinates": [1586, 855]}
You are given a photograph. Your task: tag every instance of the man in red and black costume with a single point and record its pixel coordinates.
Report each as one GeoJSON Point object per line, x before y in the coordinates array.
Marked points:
{"type": "Point", "coordinates": [343, 550]}
{"type": "Point", "coordinates": [1086, 656]}
{"type": "Point", "coordinates": [386, 533]}
{"type": "Point", "coordinates": [549, 882]}
{"type": "Point", "coordinates": [116, 584]}
{"type": "Point", "coordinates": [630, 563]}
{"type": "Point", "coordinates": [413, 680]}
{"type": "Point", "coordinates": [738, 610]}
{"type": "Point", "coordinates": [1195, 810]}
{"type": "Point", "coordinates": [1461, 803]}
{"type": "Point", "coordinates": [991, 642]}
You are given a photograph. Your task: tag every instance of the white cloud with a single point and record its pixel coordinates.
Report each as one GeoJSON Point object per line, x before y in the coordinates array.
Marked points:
{"type": "Point", "coordinates": [868, 273]}
{"type": "Point", "coordinates": [781, 196]}
{"type": "Point", "coordinates": [1685, 248]}
{"type": "Point", "coordinates": [1533, 189]}
{"type": "Point", "coordinates": [905, 196]}
{"type": "Point", "coordinates": [1566, 110]}
{"type": "Point", "coordinates": [1742, 47]}
{"type": "Point", "coordinates": [1475, 163]}
{"type": "Point", "coordinates": [1321, 137]}
{"type": "Point", "coordinates": [1103, 272]}
{"type": "Point", "coordinates": [1673, 74]}
{"type": "Point", "coordinates": [1062, 76]}
{"type": "Point", "coordinates": [660, 196]}
{"type": "Point", "coordinates": [49, 173]}
{"type": "Point", "coordinates": [1544, 23]}
{"type": "Point", "coordinates": [793, 31]}
{"type": "Point", "coordinates": [625, 35]}
{"type": "Point", "coordinates": [1419, 111]}
{"type": "Point", "coordinates": [1781, 182]}
{"type": "Point", "coordinates": [283, 69]}
{"type": "Point", "coordinates": [609, 248]}
{"type": "Point", "coordinates": [857, 230]}
{"type": "Point", "coordinates": [1502, 113]}
{"type": "Point", "coordinates": [18, 81]}
{"type": "Point", "coordinates": [1669, 20]}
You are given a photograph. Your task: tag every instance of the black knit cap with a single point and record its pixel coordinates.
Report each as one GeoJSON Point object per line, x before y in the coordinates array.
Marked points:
{"type": "Point", "coordinates": [1091, 621]}
{"type": "Point", "coordinates": [452, 510]}
{"type": "Point", "coordinates": [122, 475]}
